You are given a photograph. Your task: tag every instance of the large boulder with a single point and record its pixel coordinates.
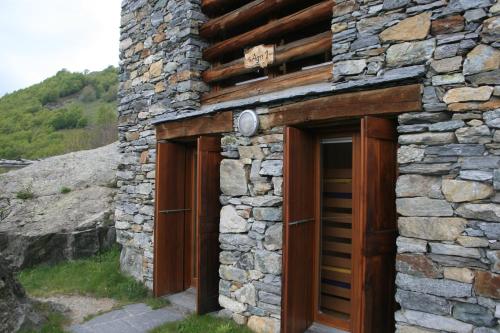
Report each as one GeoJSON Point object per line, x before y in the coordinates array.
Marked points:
{"type": "Point", "coordinates": [16, 310]}
{"type": "Point", "coordinates": [59, 208]}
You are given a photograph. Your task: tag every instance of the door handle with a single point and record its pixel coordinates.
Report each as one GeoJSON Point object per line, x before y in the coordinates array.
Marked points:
{"type": "Point", "coordinates": [171, 211]}
{"type": "Point", "coordinates": [300, 222]}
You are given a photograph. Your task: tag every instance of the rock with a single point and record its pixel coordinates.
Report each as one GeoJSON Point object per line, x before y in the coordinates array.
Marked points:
{"type": "Point", "coordinates": [413, 28]}
{"type": "Point", "coordinates": [156, 69]}
{"type": "Point", "coordinates": [491, 30]}
{"type": "Point", "coordinates": [464, 275]}
{"type": "Point", "coordinates": [427, 138]}
{"type": "Point", "coordinates": [278, 186]}
{"type": "Point", "coordinates": [268, 214]}
{"type": "Point", "coordinates": [237, 242]}
{"type": "Point", "coordinates": [491, 77]}
{"type": "Point", "coordinates": [437, 287]}
{"type": "Point", "coordinates": [233, 273]}
{"type": "Point", "coordinates": [492, 118]}
{"type": "Point", "coordinates": [373, 25]}
{"type": "Point", "coordinates": [410, 53]}
{"type": "Point", "coordinates": [417, 265]}
{"type": "Point", "coordinates": [481, 163]}
{"type": "Point", "coordinates": [231, 305]}
{"type": "Point", "coordinates": [446, 51]}
{"type": "Point", "coordinates": [16, 310]}
{"type": "Point", "coordinates": [491, 230]}
{"type": "Point", "coordinates": [231, 222]}
{"type": "Point", "coordinates": [252, 152]}
{"type": "Point", "coordinates": [271, 168]}
{"type": "Point", "coordinates": [419, 186]}
{"type": "Point", "coordinates": [431, 228]}
{"type": "Point", "coordinates": [274, 237]}
{"type": "Point", "coordinates": [461, 191]}
{"type": "Point", "coordinates": [467, 94]}
{"type": "Point", "coordinates": [422, 302]}
{"type": "Point", "coordinates": [262, 201]}
{"type": "Point", "coordinates": [487, 212]}
{"type": "Point", "coordinates": [447, 25]}
{"type": "Point", "coordinates": [264, 324]}
{"type": "Point", "coordinates": [447, 79]}
{"type": "Point", "coordinates": [482, 58]}
{"type": "Point", "coordinates": [422, 117]}
{"type": "Point", "coordinates": [233, 178]}
{"type": "Point", "coordinates": [455, 250]}
{"type": "Point", "coordinates": [477, 134]}
{"type": "Point", "coordinates": [349, 67]}
{"type": "Point", "coordinates": [473, 314]}
{"type": "Point", "coordinates": [53, 226]}
{"type": "Point", "coordinates": [462, 5]}
{"type": "Point", "coordinates": [421, 206]}
{"type": "Point", "coordinates": [456, 150]}
{"type": "Point", "coordinates": [393, 4]}
{"type": "Point", "coordinates": [268, 262]}
{"type": "Point", "coordinates": [246, 294]}
{"type": "Point", "coordinates": [345, 8]}
{"type": "Point", "coordinates": [408, 154]}
{"type": "Point", "coordinates": [474, 15]}
{"type": "Point", "coordinates": [411, 329]}
{"type": "Point", "coordinates": [469, 241]}
{"type": "Point", "coordinates": [481, 176]}
{"type": "Point", "coordinates": [446, 126]}
{"type": "Point", "coordinates": [494, 258]}
{"type": "Point", "coordinates": [447, 65]}
{"type": "Point", "coordinates": [487, 284]}
{"type": "Point", "coordinates": [432, 321]}
{"type": "Point", "coordinates": [411, 245]}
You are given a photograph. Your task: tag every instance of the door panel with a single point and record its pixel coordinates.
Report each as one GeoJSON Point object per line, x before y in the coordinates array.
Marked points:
{"type": "Point", "coordinates": [169, 219]}
{"type": "Point", "coordinates": [378, 225]}
{"type": "Point", "coordinates": [299, 231]}
{"type": "Point", "coordinates": [208, 217]}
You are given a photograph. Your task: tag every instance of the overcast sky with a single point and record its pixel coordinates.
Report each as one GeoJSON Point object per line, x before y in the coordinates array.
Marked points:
{"type": "Point", "coordinates": [38, 38]}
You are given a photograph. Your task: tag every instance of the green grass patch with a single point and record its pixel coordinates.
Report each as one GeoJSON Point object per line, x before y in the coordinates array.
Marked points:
{"type": "Point", "coordinates": [25, 194]}
{"type": "Point", "coordinates": [98, 276]}
{"type": "Point", "coordinates": [202, 324]}
{"type": "Point", "coordinates": [65, 190]}
{"type": "Point", "coordinates": [55, 321]}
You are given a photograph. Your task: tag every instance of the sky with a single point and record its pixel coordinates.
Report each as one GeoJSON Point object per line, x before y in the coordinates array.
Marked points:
{"type": "Point", "coordinates": [40, 37]}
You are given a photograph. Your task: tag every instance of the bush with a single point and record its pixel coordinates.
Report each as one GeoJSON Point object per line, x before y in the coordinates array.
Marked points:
{"type": "Point", "coordinates": [67, 119]}
{"type": "Point", "coordinates": [26, 193]}
{"type": "Point", "coordinates": [88, 94]}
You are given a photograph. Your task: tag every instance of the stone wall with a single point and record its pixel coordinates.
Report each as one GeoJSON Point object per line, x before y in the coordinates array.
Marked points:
{"type": "Point", "coordinates": [159, 74]}
{"type": "Point", "coordinates": [447, 192]}
{"type": "Point", "coordinates": [251, 228]}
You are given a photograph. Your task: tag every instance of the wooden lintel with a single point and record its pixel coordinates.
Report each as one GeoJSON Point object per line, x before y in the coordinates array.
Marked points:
{"type": "Point", "coordinates": [293, 51]}
{"type": "Point", "coordinates": [241, 16]}
{"type": "Point", "coordinates": [201, 125]}
{"type": "Point", "coordinates": [303, 18]}
{"type": "Point", "coordinates": [386, 101]}
{"type": "Point", "coordinates": [296, 79]}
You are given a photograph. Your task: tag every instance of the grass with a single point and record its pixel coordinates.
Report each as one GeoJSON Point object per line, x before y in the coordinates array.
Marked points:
{"type": "Point", "coordinates": [25, 194]}
{"type": "Point", "coordinates": [55, 321]}
{"type": "Point", "coordinates": [65, 190]}
{"type": "Point", "coordinates": [98, 277]}
{"type": "Point", "coordinates": [202, 324]}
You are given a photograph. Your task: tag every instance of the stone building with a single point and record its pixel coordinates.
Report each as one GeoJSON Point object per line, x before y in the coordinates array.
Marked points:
{"type": "Point", "coordinates": [359, 190]}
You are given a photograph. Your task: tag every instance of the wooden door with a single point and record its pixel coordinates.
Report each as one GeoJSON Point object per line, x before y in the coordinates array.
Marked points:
{"type": "Point", "coordinates": [208, 216]}
{"type": "Point", "coordinates": [299, 231]}
{"type": "Point", "coordinates": [169, 219]}
{"type": "Point", "coordinates": [374, 284]}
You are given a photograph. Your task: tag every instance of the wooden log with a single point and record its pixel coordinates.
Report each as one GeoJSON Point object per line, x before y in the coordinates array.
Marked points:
{"type": "Point", "coordinates": [283, 25]}
{"type": "Point", "coordinates": [213, 6]}
{"type": "Point", "coordinates": [386, 101]}
{"type": "Point", "coordinates": [296, 50]}
{"type": "Point", "coordinates": [218, 123]}
{"type": "Point", "coordinates": [296, 79]}
{"type": "Point", "coordinates": [242, 16]}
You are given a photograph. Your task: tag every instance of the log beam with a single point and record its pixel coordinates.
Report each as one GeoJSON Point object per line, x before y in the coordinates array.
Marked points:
{"type": "Point", "coordinates": [296, 50]}
{"type": "Point", "coordinates": [202, 125]}
{"type": "Point", "coordinates": [296, 79]}
{"type": "Point", "coordinates": [275, 28]}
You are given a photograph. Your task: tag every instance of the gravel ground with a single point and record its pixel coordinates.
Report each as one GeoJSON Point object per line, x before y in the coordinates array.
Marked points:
{"type": "Point", "coordinates": [81, 306]}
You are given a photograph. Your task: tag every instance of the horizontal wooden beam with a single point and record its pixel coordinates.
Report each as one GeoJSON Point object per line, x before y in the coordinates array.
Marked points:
{"type": "Point", "coordinates": [202, 125]}
{"type": "Point", "coordinates": [275, 28]}
{"type": "Point", "coordinates": [242, 16]}
{"type": "Point", "coordinates": [296, 50]}
{"type": "Point", "coordinates": [296, 79]}
{"type": "Point", "coordinates": [386, 101]}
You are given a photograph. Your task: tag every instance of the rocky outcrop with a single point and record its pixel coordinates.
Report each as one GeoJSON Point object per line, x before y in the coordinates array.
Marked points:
{"type": "Point", "coordinates": [59, 208]}
{"type": "Point", "coordinates": [16, 310]}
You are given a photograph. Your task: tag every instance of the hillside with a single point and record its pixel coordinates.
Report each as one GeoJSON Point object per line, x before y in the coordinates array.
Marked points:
{"type": "Point", "coordinates": [64, 113]}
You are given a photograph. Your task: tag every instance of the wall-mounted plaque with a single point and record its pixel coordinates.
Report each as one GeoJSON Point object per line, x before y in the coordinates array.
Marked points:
{"type": "Point", "coordinates": [259, 56]}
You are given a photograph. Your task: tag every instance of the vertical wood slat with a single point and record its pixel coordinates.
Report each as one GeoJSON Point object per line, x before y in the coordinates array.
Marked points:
{"type": "Point", "coordinates": [208, 218]}
{"type": "Point", "coordinates": [298, 252]}
{"type": "Point", "coordinates": [169, 228]}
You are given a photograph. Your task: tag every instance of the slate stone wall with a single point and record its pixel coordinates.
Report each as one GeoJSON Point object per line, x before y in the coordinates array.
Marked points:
{"type": "Point", "coordinates": [448, 258]}
{"type": "Point", "coordinates": [160, 70]}
{"type": "Point", "coordinates": [449, 157]}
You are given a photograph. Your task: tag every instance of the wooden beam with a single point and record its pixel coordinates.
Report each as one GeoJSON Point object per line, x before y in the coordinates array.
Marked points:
{"type": "Point", "coordinates": [242, 16]}
{"type": "Point", "coordinates": [275, 28]}
{"type": "Point", "coordinates": [296, 79]}
{"type": "Point", "coordinates": [354, 104]}
{"type": "Point", "coordinates": [296, 50]}
{"type": "Point", "coordinates": [213, 124]}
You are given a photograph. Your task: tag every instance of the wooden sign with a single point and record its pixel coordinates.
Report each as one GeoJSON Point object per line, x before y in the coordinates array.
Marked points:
{"type": "Point", "coordinates": [259, 56]}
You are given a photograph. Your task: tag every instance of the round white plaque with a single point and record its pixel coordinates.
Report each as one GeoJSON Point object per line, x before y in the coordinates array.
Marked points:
{"type": "Point", "coordinates": [248, 123]}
